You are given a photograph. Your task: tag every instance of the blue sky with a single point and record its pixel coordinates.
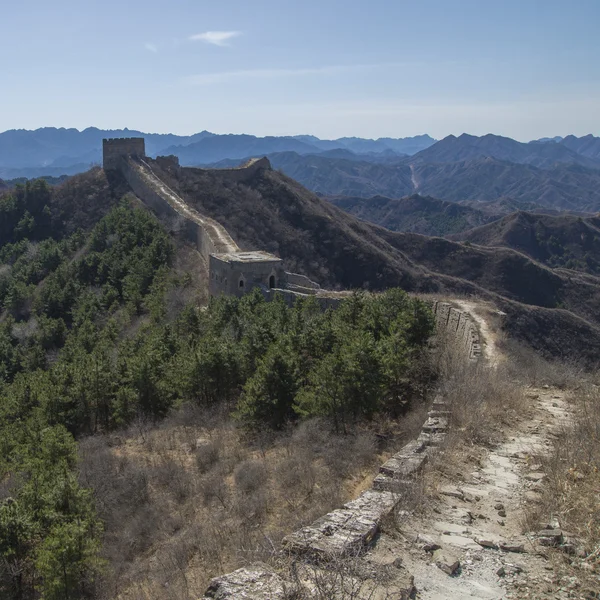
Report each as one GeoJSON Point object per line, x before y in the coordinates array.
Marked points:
{"type": "Point", "coordinates": [522, 68]}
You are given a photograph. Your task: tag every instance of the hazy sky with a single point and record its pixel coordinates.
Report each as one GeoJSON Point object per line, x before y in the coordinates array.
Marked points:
{"type": "Point", "coordinates": [522, 68]}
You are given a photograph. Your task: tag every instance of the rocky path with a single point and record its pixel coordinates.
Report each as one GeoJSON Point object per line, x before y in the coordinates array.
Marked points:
{"type": "Point", "coordinates": [488, 338]}
{"type": "Point", "coordinates": [470, 535]}
{"type": "Point", "coordinates": [470, 543]}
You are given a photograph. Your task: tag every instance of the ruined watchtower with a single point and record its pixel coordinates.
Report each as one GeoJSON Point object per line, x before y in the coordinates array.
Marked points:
{"type": "Point", "coordinates": [114, 149]}
{"type": "Point", "coordinates": [235, 273]}
{"type": "Point", "coordinates": [232, 271]}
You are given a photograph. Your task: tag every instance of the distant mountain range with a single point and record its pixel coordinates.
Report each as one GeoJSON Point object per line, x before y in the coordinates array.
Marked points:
{"type": "Point", "coordinates": [52, 151]}
{"type": "Point", "coordinates": [563, 186]}
{"type": "Point", "coordinates": [557, 173]}
{"type": "Point", "coordinates": [560, 174]}
{"type": "Point", "coordinates": [539, 154]}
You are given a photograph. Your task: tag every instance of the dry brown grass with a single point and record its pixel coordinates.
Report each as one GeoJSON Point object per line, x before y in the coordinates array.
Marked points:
{"type": "Point", "coordinates": [484, 399]}
{"type": "Point", "coordinates": [350, 578]}
{"type": "Point", "coordinates": [571, 490]}
{"type": "Point", "coordinates": [196, 497]}
{"type": "Point", "coordinates": [486, 402]}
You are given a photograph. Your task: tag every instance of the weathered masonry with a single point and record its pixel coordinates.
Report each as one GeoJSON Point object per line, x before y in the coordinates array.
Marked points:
{"type": "Point", "coordinates": [352, 529]}
{"type": "Point", "coordinates": [232, 271]}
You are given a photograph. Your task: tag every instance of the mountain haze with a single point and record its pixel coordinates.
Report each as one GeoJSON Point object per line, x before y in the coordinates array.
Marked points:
{"type": "Point", "coordinates": [469, 147]}
{"type": "Point", "coordinates": [58, 151]}
{"type": "Point", "coordinates": [587, 145]}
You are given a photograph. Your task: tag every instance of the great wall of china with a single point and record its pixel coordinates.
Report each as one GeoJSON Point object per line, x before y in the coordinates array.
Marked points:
{"type": "Point", "coordinates": [231, 271]}
{"type": "Point", "coordinates": [353, 528]}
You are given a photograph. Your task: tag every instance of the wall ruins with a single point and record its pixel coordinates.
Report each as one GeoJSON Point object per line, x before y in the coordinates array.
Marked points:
{"type": "Point", "coordinates": [231, 271]}
{"type": "Point", "coordinates": [353, 528]}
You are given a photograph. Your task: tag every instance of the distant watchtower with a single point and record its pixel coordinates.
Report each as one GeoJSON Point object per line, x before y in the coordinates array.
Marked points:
{"type": "Point", "coordinates": [113, 150]}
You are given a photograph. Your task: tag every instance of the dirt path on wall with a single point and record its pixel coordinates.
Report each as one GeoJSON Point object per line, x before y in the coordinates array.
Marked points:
{"type": "Point", "coordinates": [475, 522]}
{"type": "Point", "coordinates": [488, 337]}
{"type": "Point", "coordinates": [187, 211]}
{"type": "Point", "coordinates": [478, 520]}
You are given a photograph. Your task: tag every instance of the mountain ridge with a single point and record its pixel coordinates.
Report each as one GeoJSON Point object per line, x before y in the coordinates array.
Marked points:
{"type": "Point", "coordinates": [559, 241]}
{"type": "Point", "coordinates": [40, 152]}
{"type": "Point", "coordinates": [468, 147]}
{"type": "Point", "coordinates": [414, 214]}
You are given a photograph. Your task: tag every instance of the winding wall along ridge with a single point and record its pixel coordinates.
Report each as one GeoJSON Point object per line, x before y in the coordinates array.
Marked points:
{"type": "Point", "coordinates": [352, 529]}
{"type": "Point", "coordinates": [209, 236]}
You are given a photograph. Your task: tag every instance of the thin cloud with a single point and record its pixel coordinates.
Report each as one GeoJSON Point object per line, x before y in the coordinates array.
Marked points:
{"type": "Point", "coordinates": [151, 47]}
{"type": "Point", "coordinates": [229, 76]}
{"type": "Point", "coordinates": [217, 38]}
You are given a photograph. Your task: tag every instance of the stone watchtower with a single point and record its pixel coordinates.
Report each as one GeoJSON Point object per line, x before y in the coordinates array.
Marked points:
{"type": "Point", "coordinates": [113, 150]}
{"type": "Point", "coordinates": [236, 273]}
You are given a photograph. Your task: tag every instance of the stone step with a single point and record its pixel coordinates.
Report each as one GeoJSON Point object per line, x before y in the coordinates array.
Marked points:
{"type": "Point", "coordinates": [432, 439]}
{"type": "Point", "coordinates": [439, 412]}
{"type": "Point", "coordinates": [256, 582]}
{"type": "Point", "coordinates": [403, 467]}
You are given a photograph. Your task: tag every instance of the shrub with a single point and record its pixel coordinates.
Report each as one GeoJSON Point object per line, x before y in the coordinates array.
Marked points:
{"type": "Point", "coordinates": [250, 476]}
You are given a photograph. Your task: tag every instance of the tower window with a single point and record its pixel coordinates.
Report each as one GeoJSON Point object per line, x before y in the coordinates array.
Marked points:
{"type": "Point", "coordinates": [241, 283]}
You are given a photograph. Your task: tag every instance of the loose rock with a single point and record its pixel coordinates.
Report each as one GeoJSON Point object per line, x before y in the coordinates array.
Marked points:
{"type": "Point", "coordinates": [512, 547]}
{"type": "Point", "coordinates": [446, 562]}
{"type": "Point", "coordinates": [427, 543]}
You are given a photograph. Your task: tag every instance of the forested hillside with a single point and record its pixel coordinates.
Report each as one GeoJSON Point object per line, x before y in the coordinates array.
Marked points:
{"type": "Point", "coordinates": [90, 341]}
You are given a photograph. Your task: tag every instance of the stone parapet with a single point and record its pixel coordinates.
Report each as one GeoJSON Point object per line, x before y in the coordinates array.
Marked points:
{"type": "Point", "coordinates": [352, 529]}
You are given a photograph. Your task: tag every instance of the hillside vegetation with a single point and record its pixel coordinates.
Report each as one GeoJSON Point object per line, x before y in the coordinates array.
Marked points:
{"type": "Point", "coordinates": [94, 338]}
{"type": "Point", "coordinates": [114, 385]}
{"type": "Point", "coordinates": [414, 214]}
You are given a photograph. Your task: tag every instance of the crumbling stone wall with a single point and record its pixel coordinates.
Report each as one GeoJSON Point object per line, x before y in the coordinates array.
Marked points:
{"type": "Point", "coordinates": [351, 529]}
{"type": "Point", "coordinates": [243, 173]}
{"type": "Point", "coordinates": [458, 327]}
